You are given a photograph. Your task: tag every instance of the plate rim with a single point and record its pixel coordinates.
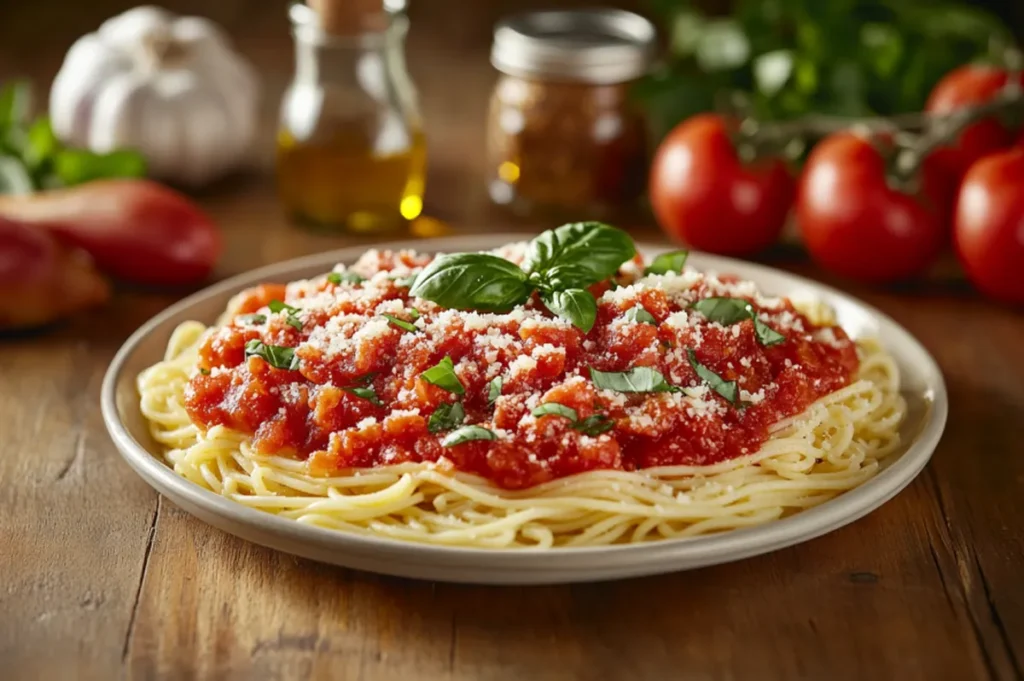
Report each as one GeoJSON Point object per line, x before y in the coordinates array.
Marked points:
{"type": "Point", "coordinates": [657, 556]}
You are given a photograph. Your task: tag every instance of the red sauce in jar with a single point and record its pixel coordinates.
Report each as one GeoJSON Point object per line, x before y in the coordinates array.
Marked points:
{"type": "Point", "coordinates": [312, 412]}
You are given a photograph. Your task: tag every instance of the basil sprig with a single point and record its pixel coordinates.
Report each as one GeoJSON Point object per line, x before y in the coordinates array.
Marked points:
{"type": "Point", "coordinates": [636, 380]}
{"type": "Point", "coordinates": [672, 261]}
{"type": "Point", "coordinates": [728, 311]}
{"type": "Point", "coordinates": [275, 355]}
{"type": "Point", "coordinates": [446, 417]}
{"type": "Point", "coordinates": [443, 376]}
{"type": "Point", "coordinates": [728, 389]}
{"type": "Point", "coordinates": [595, 424]}
{"type": "Point", "coordinates": [292, 319]}
{"type": "Point", "coordinates": [560, 264]}
{"type": "Point", "coordinates": [467, 434]}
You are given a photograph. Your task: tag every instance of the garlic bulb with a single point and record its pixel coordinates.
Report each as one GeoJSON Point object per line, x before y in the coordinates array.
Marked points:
{"type": "Point", "coordinates": [170, 87]}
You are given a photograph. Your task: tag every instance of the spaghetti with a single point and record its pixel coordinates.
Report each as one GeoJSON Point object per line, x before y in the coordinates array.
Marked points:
{"type": "Point", "coordinates": [832, 445]}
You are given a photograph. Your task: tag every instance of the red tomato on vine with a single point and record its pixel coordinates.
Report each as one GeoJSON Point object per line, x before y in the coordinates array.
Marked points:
{"type": "Point", "coordinates": [706, 197]}
{"type": "Point", "coordinates": [967, 86]}
{"type": "Point", "coordinates": [855, 223]}
{"type": "Point", "coordinates": [988, 227]}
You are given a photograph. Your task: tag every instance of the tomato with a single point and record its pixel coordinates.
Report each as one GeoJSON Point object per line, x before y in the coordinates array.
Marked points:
{"type": "Point", "coordinates": [855, 224]}
{"type": "Point", "coordinates": [966, 86]}
{"type": "Point", "coordinates": [705, 197]}
{"type": "Point", "coordinates": [135, 230]}
{"type": "Point", "coordinates": [988, 227]}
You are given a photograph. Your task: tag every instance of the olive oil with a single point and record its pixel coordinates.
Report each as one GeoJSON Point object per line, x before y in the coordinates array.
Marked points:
{"type": "Point", "coordinates": [339, 181]}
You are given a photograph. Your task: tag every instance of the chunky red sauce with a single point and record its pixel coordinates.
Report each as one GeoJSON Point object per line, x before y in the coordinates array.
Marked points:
{"type": "Point", "coordinates": [343, 343]}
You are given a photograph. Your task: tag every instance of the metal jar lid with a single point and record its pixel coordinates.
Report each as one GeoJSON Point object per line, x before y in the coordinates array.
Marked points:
{"type": "Point", "coordinates": [599, 46]}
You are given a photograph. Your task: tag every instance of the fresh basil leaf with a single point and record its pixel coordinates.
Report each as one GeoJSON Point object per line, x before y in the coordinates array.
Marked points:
{"type": "Point", "coordinates": [400, 323]}
{"type": "Point", "coordinates": [337, 278]}
{"type": "Point", "coordinates": [204, 371]}
{"type": "Point", "coordinates": [14, 177]}
{"type": "Point", "coordinates": [672, 261]}
{"type": "Point", "coordinates": [291, 319]}
{"type": "Point", "coordinates": [252, 318]}
{"type": "Point", "coordinates": [595, 424]}
{"type": "Point", "coordinates": [580, 253]}
{"type": "Point", "coordinates": [414, 313]}
{"type": "Point", "coordinates": [365, 393]}
{"type": "Point", "coordinates": [555, 409]}
{"type": "Point", "coordinates": [766, 334]}
{"type": "Point", "coordinates": [40, 144]}
{"type": "Point", "coordinates": [467, 434]}
{"type": "Point", "coordinates": [443, 376]}
{"type": "Point", "coordinates": [275, 355]}
{"type": "Point", "coordinates": [576, 306]}
{"type": "Point", "coordinates": [75, 166]}
{"type": "Point", "coordinates": [446, 417]}
{"type": "Point", "coordinates": [727, 389]}
{"type": "Point", "coordinates": [636, 380]}
{"type": "Point", "coordinates": [639, 315]}
{"type": "Point", "coordinates": [472, 281]}
{"type": "Point", "coordinates": [494, 390]}
{"type": "Point", "coordinates": [15, 103]}
{"type": "Point", "coordinates": [724, 311]}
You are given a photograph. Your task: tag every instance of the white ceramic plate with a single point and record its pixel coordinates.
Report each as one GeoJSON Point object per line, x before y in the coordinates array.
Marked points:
{"type": "Point", "coordinates": [922, 386]}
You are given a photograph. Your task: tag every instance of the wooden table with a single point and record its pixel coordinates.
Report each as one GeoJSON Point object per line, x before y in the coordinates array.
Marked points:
{"type": "Point", "coordinates": [100, 578]}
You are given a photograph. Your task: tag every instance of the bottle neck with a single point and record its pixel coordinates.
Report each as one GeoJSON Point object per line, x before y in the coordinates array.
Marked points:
{"type": "Point", "coordinates": [325, 59]}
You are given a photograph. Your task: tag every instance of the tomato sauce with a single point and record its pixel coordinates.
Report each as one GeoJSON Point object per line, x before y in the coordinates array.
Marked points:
{"type": "Point", "coordinates": [311, 412]}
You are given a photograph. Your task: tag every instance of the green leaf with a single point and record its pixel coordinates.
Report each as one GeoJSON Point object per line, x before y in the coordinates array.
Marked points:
{"type": "Point", "coordinates": [637, 380]}
{"type": "Point", "coordinates": [14, 178]}
{"type": "Point", "coordinates": [576, 306]}
{"type": "Point", "coordinates": [579, 254]}
{"type": "Point", "coordinates": [473, 281]}
{"type": "Point", "coordinates": [766, 334]}
{"type": "Point", "coordinates": [446, 417]}
{"type": "Point", "coordinates": [40, 143]}
{"type": "Point", "coordinates": [75, 166]}
{"type": "Point", "coordinates": [252, 318]}
{"type": "Point", "coordinates": [337, 278]}
{"type": "Point", "coordinates": [686, 30]}
{"type": "Point", "coordinates": [443, 376]}
{"type": "Point", "coordinates": [15, 103]}
{"type": "Point", "coordinates": [724, 311]}
{"type": "Point", "coordinates": [275, 355]}
{"type": "Point", "coordinates": [639, 315]}
{"type": "Point", "coordinates": [291, 319]}
{"type": "Point", "coordinates": [594, 424]}
{"type": "Point", "coordinates": [494, 390]}
{"type": "Point", "coordinates": [400, 323]}
{"type": "Point", "coordinates": [723, 45]}
{"type": "Point", "coordinates": [204, 371]}
{"type": "Point", "coordinates": [727, 389]}
{"type": "Point", "coordinates": [467, 434]}
{"type": "Point", "coordinates": [365, 393]}
{"type": "Point", "coordinates": [673, 261]}
{"type": "Point", "coordinates": [772, 71]}
{"type": "Point", "coordinates": [555, 409]}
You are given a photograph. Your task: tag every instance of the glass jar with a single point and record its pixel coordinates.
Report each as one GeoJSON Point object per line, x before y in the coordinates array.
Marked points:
{"type": "Point", "coordinates": [351, 154]}
{"type": "Point", "coordinates": [563, 136]}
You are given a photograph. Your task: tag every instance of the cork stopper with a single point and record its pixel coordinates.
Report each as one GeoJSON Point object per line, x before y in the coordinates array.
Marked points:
{"type": "Point", "coordinates": [348, 17]}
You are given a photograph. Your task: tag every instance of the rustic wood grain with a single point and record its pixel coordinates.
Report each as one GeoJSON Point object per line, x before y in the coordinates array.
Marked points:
{"type": "Point", "coordinates": [100, 579]}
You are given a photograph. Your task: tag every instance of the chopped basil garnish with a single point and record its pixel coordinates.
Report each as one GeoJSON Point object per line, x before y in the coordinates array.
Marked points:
{"type": "Point", "coordinates": [640, 315]}
{"type": "Point", "coordinates": [727, 389]}
{"type": "Point", "coordinates": [252, 318]}
{"type": "Point", "coordinates": [414, 313]}
{"type": "Point", "coordinates": [443, 375]}
{"type": "Point", "coordinates": [494, 390]}
{"type": "Point", "coordinates": [667, 262]}
{"type": "Point", "coordinates": [275, 355]}
{"type": "Point", "coordinates": [727, 311]}
{"type": "Point", "coordinates": [446, 417]}
{"type": "Point", "coordinates": [560, 264]}
{"type": "Point", "coordinates": [292, 320]}
{"type": "Point", "coordinates": [467, 434]}
{"type": "Point", "coordinates": [400, 323]}
{"type": "Point", "coordinates": [577, 306]}
{"type": "Point", "coordinates": [595, 424]}
{"type": "Point", "coordinates": [636, 380]}
{"type": "Point", "coordinates": [555, 409]}
{"type": "Point", "coordinates": [204, 371]}
{"type": "Point", "coordinates": [365, 393]}
{"type": "Point", "coordinates": [347, 277]}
